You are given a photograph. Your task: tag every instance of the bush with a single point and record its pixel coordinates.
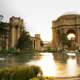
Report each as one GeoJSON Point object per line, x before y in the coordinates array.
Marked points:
{"type": "Point", "coordinates": [19, 73]}
{"type": "Point", "coordinates": [12, 50]}
{"type": "Point", "coordinates": [3, 51]}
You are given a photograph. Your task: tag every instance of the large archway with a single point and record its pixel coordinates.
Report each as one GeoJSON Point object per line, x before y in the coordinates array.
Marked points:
{"type": "Point", "coordinates": [69, 26]}
{"type": "Point", "coordinates": [71, 34]}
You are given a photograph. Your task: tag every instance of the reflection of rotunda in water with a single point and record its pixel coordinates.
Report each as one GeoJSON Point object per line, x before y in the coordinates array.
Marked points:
{"type": "Point", "coordinates": [52, 68]}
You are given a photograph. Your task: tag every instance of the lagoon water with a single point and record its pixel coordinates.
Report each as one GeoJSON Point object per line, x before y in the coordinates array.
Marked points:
{"type": "Point", "coordinates": [47, 63]}
{"type": "Point", "coordinates": [50, 67]}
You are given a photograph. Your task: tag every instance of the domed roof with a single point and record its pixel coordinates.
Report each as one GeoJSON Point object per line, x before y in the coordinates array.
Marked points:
{"type": "Point", "coordinates": [71, 12]}
{"type": "Point", "coordinates": [69, 15]}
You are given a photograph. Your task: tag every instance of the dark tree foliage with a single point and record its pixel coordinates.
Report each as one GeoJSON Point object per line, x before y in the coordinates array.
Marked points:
{"type": "Point", "coordinates": [3, 33]}
{"type": "Point", "coordinates": [1, 17]}
{"type": "Point", "coordinates": [42, 44]}
{"type": "Point", "coordinates": [3, 25]}
{"type": "Point", "coordinates": [24, 43]}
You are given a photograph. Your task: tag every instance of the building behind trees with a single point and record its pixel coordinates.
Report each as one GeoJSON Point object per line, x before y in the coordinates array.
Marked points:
{"type": "Point", "coordinates": [13, 35]}
{"type": "Point", "coordinates": [37, 42]}
{"type": "Point", "coordinates": [10, 32]}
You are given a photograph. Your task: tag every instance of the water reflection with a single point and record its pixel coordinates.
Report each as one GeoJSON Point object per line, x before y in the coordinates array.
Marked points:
{"type": "Point", "coordinates": [47, 65]}
{"type": "Point", "coordinates": [52, 68]}
{"type": "Point", "coordinates": [72, 66]}
{"type": "Point", "coordinates": [47, 62]}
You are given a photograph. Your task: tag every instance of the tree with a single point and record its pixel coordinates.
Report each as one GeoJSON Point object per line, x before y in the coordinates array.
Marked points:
{"type": "Point", "coordinates": [24, 43]}
{"type": "Point", "coordinates": [42, 44]}
{"type": "Point", "coordinates": [1, 17]}
{"type": "Point", "coordinates": [3, 32]}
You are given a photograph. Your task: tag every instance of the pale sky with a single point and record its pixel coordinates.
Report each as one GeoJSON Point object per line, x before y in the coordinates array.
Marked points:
{"type": "Point", "coordinates": [38, 14]}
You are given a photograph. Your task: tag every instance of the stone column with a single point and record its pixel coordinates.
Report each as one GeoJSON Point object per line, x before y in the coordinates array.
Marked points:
{"type": "Point", "coordinates": [12, 36]}
{"type": "Point", "coordinates": [18, 33]}
{"type": "Point", "coordinates": [54, 40]}
{"type": "Point", "coordinates": [7, 43]}
{"type": "Point", "coordinates": [78, 36]}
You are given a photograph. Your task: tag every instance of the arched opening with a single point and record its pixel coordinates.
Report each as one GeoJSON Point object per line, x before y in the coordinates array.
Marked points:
{"type": "Point", "coordinates": [71, 35]}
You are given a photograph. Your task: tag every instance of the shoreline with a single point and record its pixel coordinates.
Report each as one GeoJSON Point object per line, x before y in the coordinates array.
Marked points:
{"type": "Point", "coordinates": [63, 78]}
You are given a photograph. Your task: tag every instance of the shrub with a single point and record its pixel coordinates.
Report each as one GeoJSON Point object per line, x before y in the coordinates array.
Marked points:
{"type": "Point", "coordinates": [12, 50]}
{"type": "Point", "coordinates": [3, 51]}
{"type": "Point", "coordinates": [19, 73]}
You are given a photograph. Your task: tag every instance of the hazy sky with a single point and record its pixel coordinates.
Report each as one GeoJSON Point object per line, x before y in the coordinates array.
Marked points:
{"type": "Point", "coordinates": [38, 14]}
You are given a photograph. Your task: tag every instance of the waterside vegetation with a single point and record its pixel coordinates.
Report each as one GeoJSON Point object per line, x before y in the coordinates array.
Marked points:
{"type": "Point", "coordinates": [19, 73]}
